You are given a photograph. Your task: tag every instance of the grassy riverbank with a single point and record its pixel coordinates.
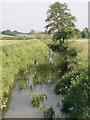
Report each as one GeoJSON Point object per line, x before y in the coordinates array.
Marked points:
{"type": "Point", "coordinates": [70, 66]}
{"type": "Point", "coordinates": [17, 61]}
{"type": "Point", "coordinates": [75, 85]}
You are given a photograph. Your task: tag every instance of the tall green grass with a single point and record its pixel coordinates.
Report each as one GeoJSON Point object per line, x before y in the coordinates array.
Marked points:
{"type": "Point", "coordinates": [75, 84]}
{"type": "Point", "coordinates": [20, 57]}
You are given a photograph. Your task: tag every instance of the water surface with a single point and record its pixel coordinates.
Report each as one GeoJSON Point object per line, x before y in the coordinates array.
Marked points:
{"type": "Point", "coordinates": [21, 107]}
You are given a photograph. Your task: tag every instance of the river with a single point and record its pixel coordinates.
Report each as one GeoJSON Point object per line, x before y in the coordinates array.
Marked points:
{"type": "Point", "coordinates": [19, 104]}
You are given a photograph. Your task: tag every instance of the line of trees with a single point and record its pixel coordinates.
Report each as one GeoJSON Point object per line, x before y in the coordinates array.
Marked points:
{"type": "Point", "coordinates": [8, 32]}
{"type": "Point", "coordinates": [14, 33]}
{"type": "Point", "coordinates": [75, 33]}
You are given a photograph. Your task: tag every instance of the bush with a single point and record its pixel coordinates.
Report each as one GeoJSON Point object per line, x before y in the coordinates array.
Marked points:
{"type": "Point", "coordinates": [63, 48]}
{"type": "Point", "coordinates": [59, 48]}
{"type": "Point", "coordinates": [54, 47]}
{"type": "Point", "coordinates": [48, 113]}
{"type": "Point", "coordinates": [72, 52]}
{"type": "Point", "coordinates": [77, 95]}
{"type": "Point", "coordinates": [75, 84]}
{"type": "Point", "coordinates": [63, 85]}
{"type": "Point", "coordinates": [77, 100]}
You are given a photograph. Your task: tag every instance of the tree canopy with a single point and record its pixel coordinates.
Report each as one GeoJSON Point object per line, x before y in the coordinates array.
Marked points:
{"type": "Point", "coordinates": [76, 33]}
{"type": "Point", "coordinates": [60, 21]}
{"type": "Point", "coordinates": [8, 32]}
{"type": "Point", "coordinates": [85, 33]}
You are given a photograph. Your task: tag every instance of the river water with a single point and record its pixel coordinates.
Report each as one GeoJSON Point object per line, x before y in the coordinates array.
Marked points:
{"type": "Point", "coordinates": [20, 106]}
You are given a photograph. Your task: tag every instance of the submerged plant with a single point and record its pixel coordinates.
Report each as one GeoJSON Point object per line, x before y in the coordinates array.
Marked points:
{"type": "Point", "coordinates": [31, 86]}
{"type": "Point", "coordinates": [22, 84]}
{"type": "Point", "coordinates": [36, 99]}
{"type": "Point", "coordinates": [48, 113]}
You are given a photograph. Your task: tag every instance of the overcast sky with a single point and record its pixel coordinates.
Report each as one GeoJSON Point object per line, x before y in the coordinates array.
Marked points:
{"type": "Point", "coordinates": [24, 16]}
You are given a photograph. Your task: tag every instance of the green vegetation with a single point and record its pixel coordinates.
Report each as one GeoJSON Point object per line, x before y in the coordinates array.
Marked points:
{"type": "Point", "coordinates": [48, 113]}
{"type": "Point", "coordinates": [75, 33]}
{"type": "Point", "coordinates": [75, 84]}
{"type": "Point", "coordinates": [8, 32]}
{"type": "Point", "coordinates": [31, 54]}
{"type": "Point", "coordinates": [60, 21]}
{"type": "Point", "coordinates": [48, 73]}
{"type": "Point", "coordinates": [6, 37]}
{"type": "Point", "coordinates": [36, 99]}
{"type": "Point", "coordinates": [18, 61]}
{"type": "Point", "coordinates": [24, 36]}
{"type": "Point", "coordinates": [85, 33]}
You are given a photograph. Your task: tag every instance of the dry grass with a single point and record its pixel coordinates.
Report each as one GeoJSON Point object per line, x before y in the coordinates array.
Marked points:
{"type": "Point", "coordinates": [7, 42]}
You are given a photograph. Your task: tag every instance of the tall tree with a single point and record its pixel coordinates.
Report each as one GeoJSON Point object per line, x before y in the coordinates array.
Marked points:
{"type": "Point", "coordinates": [60, 21]}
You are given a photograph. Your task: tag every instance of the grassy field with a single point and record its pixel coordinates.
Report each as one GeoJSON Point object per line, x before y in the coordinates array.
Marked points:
{"type": "Point", "coordinates": [9, 42]}
{"type": "Point", "coordinates": [24, 37]}
{"type": "Point", "coordinates": [5, 36]}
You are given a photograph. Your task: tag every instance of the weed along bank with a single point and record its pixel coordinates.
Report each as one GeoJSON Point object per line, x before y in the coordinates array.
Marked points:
{"type": "Point", "coordinates": [44, 61]}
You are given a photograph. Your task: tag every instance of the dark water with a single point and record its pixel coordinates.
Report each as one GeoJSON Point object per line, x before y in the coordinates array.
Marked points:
{"type": "Point", "coordinates": [20, 106]}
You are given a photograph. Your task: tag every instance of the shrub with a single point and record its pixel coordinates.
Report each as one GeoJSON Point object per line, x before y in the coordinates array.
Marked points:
{"type": "Point", "coordinates": [75, 84]}
{"type": "Point", "coordinates": [59, 48]}
{"type": "Point", "coordinates": [63, 48]}
{"type": "Point", "coordinates": [76, 100]}
{"type": "Point", "coordinates": [36, 99]}
{"type": "Point", "coordinates": [63, 85]}
{"type": "Point", "coordinates": [72, 52]}
{"type": "Point", "coordinates": [49, 113]}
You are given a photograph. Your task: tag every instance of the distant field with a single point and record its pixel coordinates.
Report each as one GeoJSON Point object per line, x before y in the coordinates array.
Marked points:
{"type": "Point", "coordinates": [25, 36]}
{"type": "Point", "coordinates": [2, 36]}
{"type": "Point", "coordinates": [7, 42]}
{"type": "Point", "coordinates": [83, 40]}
